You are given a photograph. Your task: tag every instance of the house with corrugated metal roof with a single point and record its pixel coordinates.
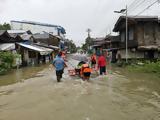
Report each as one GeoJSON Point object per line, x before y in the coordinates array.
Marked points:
{"type": "Point", "coordinates": [21, 43]}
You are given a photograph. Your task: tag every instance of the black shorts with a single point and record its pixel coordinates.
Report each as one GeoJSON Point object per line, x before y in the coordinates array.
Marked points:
{"type": "Point", "coordinates": [87, 74]}
{"type": "Point", "coordinates": [102, 70]}
{"type": "Point", "coordinates": [59, 72]}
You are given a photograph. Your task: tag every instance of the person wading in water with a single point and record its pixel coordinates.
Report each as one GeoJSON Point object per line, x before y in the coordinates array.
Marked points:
{"type": "Point", "coordinates": [59, 64]}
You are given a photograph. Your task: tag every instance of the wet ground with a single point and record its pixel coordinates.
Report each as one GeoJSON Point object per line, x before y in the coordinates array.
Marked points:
{"type": "Point", "coordinates": [120, 95]}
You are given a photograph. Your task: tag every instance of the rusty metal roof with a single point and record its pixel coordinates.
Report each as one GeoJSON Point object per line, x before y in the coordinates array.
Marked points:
{"type": "Point", "coordinates": [133, 19]}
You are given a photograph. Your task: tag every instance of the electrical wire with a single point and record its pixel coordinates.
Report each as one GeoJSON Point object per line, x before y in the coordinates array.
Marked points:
{"type": "Point", "coordinates": [135, 4]}
{"type": "Point", "coordinates": [146, 8]}
{"type": "Point", "coordinates": [134, 8]}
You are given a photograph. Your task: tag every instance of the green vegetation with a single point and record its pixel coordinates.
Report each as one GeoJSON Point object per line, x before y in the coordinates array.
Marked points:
{"type": "Point", "coordinates": [87, 44]}
{"type": "Point", "coordinates": [144, 66]}
{"type": "Point", "coordinates": [148, 67]}
{"type": "Point", "coordinates": [71, 46]}
{"type": "Point", "coordinates": [6, 61]}
{"type": "Point", "coordinates": [5, 26]}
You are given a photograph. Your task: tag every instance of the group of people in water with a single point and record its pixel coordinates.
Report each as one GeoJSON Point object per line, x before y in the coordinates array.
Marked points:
{"type": "Point", "coordinates": [83, 69]}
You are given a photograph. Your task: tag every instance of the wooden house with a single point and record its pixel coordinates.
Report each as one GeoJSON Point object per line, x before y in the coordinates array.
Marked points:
{"type": "Point", "coordinates": [143, 36]}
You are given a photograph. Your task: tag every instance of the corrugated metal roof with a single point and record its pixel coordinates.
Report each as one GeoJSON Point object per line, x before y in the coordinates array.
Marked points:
{"type": "Point", "coordinates": [134, 18]}
{"type": "Point", "coordinates": [7, 46]}
{"type": "Point", "coordinates": [26, 36]}
{"type": "Point", "coordinates": [41, 36]}
{"type": "Point", "coordinates": [16, 31]}
{"type": "Point", "coordinates": [2, 32]}
{"type": "Point", "coordinates": [41, 50]}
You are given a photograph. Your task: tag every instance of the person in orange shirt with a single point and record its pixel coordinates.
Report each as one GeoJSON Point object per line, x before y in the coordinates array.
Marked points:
{"type": "Point", "coordinates": [85, 72]}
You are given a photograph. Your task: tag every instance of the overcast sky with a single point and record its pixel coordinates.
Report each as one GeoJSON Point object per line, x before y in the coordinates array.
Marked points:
{"type": "Point", "coordinates": [74, 15]}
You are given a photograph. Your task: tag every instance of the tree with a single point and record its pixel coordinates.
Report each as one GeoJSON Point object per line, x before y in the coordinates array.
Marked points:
{"type": "Point", "coordinates": [71, 46]}
{"type": "Point", "coordinates": [5, 26]}
{"type": "Point", "coordinates": [88, 43]}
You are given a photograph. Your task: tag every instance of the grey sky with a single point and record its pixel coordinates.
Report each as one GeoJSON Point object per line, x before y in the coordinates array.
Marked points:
{"type": "Point", "coordinates": [74, 15]}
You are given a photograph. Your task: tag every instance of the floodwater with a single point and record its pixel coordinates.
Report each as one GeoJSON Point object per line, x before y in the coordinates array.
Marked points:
{"type": "Point", "coordinates": [18, 75]}
{"type": "Point", "coordinates": [120, 95]}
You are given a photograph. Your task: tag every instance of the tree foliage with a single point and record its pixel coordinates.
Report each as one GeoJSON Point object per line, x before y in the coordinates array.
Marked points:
{"type": "Point", "coordinates": [6, 61]}
{"type": "Point", "coordinates": [5, 26]}
{"type": "Point", "coordinates": [88, 43]}
{"type": "Point", "coordinates": [71, 46]}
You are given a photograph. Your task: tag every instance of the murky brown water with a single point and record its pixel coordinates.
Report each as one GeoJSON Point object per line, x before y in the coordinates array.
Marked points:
{"type": "Point", "coordinates": [118, 96]}
{"type": "Point", "coordinates": [18, 75]}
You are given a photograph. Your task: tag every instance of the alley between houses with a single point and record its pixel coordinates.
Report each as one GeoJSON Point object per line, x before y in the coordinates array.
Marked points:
{"type": "Point", "coordinates": [117, 96]}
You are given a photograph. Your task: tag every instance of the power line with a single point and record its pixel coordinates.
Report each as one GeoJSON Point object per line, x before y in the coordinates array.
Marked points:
{"type": "Point", "coordinates": [131, 5]}
{"type": "Point", "coordinates": [140, 3]}
{"type": "Point", "coordinates": [146, 8]}
{"type": "Point", "coordinates": [135, 4]}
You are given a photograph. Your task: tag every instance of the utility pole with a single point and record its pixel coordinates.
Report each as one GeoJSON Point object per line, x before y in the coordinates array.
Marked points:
{"type": "Point", "coordinates": [126, 13]}
{"type": "Point", "coordinates": [89, 31]}
{"type": "Point", "coordinates": [126, 34]}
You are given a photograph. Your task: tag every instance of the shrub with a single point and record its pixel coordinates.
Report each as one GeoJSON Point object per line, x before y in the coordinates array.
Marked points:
{"type": "Point", "coordinates": [6, 61]}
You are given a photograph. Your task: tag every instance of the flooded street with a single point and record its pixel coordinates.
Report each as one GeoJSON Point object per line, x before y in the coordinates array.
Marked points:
{"type": "Point", "coordinates": [120, 95]}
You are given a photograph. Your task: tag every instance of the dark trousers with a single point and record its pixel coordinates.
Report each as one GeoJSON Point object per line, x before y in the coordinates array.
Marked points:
{"type": "Point", "coordinates": [102, 70]}
{"type": "Point", "coordinates": [59, 74]}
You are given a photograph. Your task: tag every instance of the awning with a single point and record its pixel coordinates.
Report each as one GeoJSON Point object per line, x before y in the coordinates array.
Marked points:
{"type": "Point", "coordinates": [54, 47]}
{"type": "Point", "coordinates": [7, 46]}
{"type": "Point", "coordinates": [41, 50]}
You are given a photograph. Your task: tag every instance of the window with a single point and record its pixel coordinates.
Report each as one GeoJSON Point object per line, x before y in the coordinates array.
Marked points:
{"type": "Point", "coordinates": [131, 34]}
{"type": "Point", "coordinates": [122, 36]}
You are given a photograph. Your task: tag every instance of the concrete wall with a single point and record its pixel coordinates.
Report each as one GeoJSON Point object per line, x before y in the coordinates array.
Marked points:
{"type": "Point", "coordinates": [136, 54]}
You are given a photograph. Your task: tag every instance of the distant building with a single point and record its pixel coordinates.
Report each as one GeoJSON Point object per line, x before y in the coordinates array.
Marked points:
{"type": "Point", "coordinates": [36, 27]}
{"type": "Point", "coordinates": [47, 39]}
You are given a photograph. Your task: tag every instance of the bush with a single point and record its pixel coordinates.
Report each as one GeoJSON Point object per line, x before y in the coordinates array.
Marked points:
{"type": "Point", "coordinates": [147, 67]}
{"type": "Point", "coordinates": [6, 61]}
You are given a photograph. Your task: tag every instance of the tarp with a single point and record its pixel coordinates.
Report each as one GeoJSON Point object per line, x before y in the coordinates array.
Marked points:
{"type": "Point", "coordinates": [7, 46]}
{"type": "Point", "coordinates": [41, 50]}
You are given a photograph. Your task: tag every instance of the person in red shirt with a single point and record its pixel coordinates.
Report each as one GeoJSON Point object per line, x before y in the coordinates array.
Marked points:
{"type": "Point", "coordinates": [102, 64]}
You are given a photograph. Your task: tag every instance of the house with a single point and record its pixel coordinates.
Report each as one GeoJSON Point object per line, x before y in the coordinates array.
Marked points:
{"type": "Point", "coordinates": [7, 41]}
{"type": "Point", "coordinates": [143, 36]}
{"type": "Point", "coordinates": [33, 54]}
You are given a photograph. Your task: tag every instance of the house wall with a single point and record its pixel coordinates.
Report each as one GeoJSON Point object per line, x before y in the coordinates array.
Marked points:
{"type": "Point", "coordinates": [131, 54]}
{"type": "Point", "coordinates": [140, 34]}
{"type": "Point", "coordinates": [25, 57]}
{"type": "Point", "coordinates": [132, 42]}
{"type": "Point", "coordinates": [157, 34]}
{"type": "Point", "coordinates": [147, 33]}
